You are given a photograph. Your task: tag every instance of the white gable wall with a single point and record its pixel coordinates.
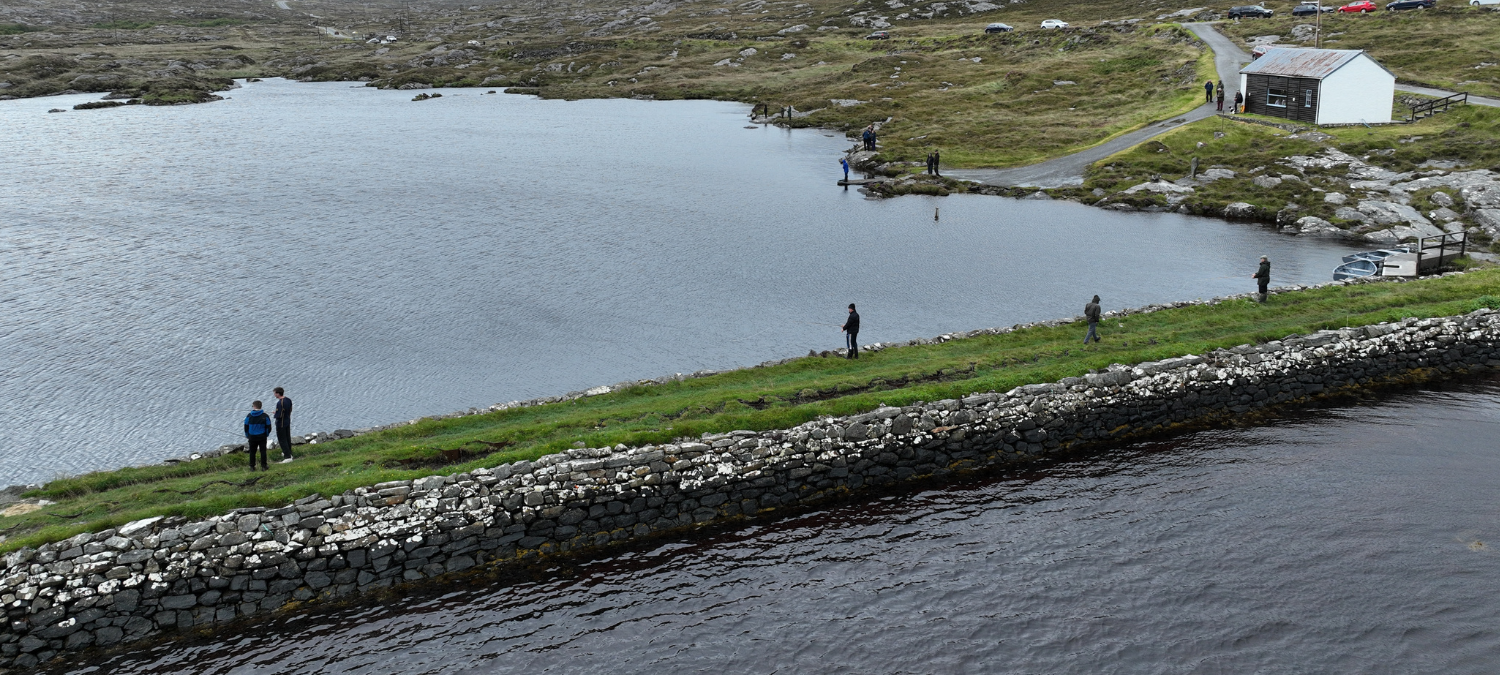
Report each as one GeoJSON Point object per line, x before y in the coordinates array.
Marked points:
{"type": "Point", "coordinates": [1360, 91]}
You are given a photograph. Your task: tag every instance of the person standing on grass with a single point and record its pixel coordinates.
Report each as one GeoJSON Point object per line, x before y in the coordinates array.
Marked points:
{"type": "Point", "coordinates": [844, 162]}
{"type": "Point", "coordinates": [929, 164]}
{"type": "Point", "coordinates": [1208, 91]}
{"type": "Point", "coordinates": [869, 137]}
{"type": "Point", "coordinates": [1092, 312]}
{"type": "Point", "coordinates": [1262, 278]}
{"type": "Point", "coordinates": [851, 333]}
{"type": "Point", "coordinates": [1239, 99]}
{"type": "Point", "coordinates": [257, 428]}
{"type": "Point", "coordinates": [283, 424]}
{"type": "Point", "coordinates": [1220, 97]}
{"type": "Point", "coordinates": [937, 158]}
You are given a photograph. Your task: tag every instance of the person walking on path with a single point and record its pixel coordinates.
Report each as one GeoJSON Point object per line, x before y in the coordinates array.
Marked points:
{"type": "Point", "coordinates": [257, 428]}
{"type": "Point", "coordinates": [1092, 312]}
{"type": "Point", "coordinates": [1208, 91]}
{"type": "Point", "coordinates": [283, 423]}
{"type": "Point", "coordinates": [844, 162]}
{"type": "Point", "coordinates": [1220, 97]}
{"type": "Point", "coordinates": [1262, 278]}
{"type": "Point", "coordinates": [1239, 99]}
{"type": "Point", "coordinates": [851, 333]}
{"type": "Point", "coordinates": [937, 158]}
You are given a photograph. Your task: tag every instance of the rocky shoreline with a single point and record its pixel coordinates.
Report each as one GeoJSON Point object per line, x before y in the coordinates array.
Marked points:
{"type": "Point", "coordinates": [160, 575]}
{"type": "Point", "coordinates": [1370, 205]}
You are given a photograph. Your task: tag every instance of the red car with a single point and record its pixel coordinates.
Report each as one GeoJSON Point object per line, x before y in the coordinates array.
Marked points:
{"type": "Point", "coordinates": [1361, 7]}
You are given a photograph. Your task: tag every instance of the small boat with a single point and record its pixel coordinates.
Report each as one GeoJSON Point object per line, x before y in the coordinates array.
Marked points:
{"type": "Point", "coordinates": [1366, 264]}
{"type": "Point", "coordinates": [1355, 269]}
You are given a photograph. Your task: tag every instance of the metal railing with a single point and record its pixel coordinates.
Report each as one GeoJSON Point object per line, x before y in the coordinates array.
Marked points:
{"type": "Point", "coordinates": [1435, 106]}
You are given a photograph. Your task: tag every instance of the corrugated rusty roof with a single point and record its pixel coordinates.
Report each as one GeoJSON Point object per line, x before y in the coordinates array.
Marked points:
{"type": "Point", "coordinates": [1295, 62]}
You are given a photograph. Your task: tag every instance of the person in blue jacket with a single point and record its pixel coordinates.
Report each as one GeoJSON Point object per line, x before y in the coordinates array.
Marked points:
{"type": "Point", "coordinates": [257, 428]}
{"type": "Point", "coordinates": [844, 162]}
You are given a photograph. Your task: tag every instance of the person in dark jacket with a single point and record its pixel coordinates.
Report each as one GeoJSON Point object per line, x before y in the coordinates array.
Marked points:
{"type": "Point", "coordinates": [1262, 278]}
{"type": "Point", "coordinates": [1239, 101]}
{"type": "Point", "coordinates": [1220, 97]}
{"type": "Point", "coordinates": [851, 333]}
{"type": "Point", "coordinates": [929, 164]}
{"type": "Point", "coordinates": [869, 137]}
{"type": "Point", "coordinates": [1208, 91]}
{"type": "Point", "coordinates": [1092, 312]}
{"type": "Point", "coordinates": [257, 428]}
{"type": "Point", "coordinates": [937, 158]}
{"type": "Point", "coordinates": [283, 424]}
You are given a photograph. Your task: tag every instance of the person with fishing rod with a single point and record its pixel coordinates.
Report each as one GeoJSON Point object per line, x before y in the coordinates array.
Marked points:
{"type": "Point", "coordinates": [851, 332]}
{"type": "Point", "coordinates": [257, 428]}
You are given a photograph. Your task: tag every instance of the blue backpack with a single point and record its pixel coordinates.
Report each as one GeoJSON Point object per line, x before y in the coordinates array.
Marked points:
{"type": "Point", "coordinates": [257, 423]}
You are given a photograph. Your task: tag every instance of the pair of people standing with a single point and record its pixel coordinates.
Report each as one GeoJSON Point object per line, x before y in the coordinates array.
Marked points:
{"type": "Point", "coordinates": [258, 427]}
{"type": "Point", "coordinates": [1092, 312]}
{"type": "Point", "coordinates": [932, 163]}
{"type": "Point", "coordinates": [869, 137]}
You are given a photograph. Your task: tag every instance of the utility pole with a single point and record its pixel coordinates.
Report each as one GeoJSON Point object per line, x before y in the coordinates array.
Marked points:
{"type": "Point", "coordinates": [1318, 31]}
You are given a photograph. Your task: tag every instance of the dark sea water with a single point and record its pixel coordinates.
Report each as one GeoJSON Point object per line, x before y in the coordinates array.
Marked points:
{"type": "Point", "coordinates": [384, 259]}
{"type": "Point", "coordinates": [1357, 539]}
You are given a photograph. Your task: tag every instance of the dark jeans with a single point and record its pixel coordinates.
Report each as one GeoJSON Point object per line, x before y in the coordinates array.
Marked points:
{"type": "Point", "coordinates": [1091, 334]}
{"type": "Point", "coordinates": [257, 443]}
{"type": "Point", "coordinates": [284, 438]}
{"type": "Point", "coordinates": [853, 339]}
{"type": "Point", "coordinates": [1263, 291]}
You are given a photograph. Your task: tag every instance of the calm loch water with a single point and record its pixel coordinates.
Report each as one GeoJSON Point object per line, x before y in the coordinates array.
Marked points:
{"type": "Point", "coordinates": [384, 259]}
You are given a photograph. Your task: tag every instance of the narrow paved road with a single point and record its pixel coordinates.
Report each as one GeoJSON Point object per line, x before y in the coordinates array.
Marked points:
{"type": "Point", "coordinates": [1068, 170]}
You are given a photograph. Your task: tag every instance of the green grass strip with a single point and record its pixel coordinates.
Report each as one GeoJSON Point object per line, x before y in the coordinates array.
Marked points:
{"type": "Point", "coordinates": [755, 398]}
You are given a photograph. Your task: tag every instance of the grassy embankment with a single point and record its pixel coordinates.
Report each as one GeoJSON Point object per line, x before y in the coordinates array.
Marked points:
{"type": "Point", "coordinates": [1454, 47]}
{"type": "Point", "coordinates": [1466, 135]}
{"type": "Point", "coordinates": [758, 398]}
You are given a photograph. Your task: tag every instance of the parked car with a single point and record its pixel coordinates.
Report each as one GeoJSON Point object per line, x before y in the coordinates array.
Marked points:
{"type": "Point", "coordinates": [1054, 23]}
{"type": "Point", "coordinates": [1312, 8]}
{"type": "Point", "coordinates": [1249, 11]}
{"type": "Point", "coordinates": [1411, 4]}
{"type": "Point", "coordinates": [1476, 3]}
{"type": "Point", "coordinates": [1259, 51]}
{"type": "Point", "coordinates": [878, 35]}
{"type": "Point", "coordinates": [1361, 7]}
{"type": "Point", "coordinates": [1003, 28]}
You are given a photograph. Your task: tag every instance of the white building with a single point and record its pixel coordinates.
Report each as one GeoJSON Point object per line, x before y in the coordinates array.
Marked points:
{"type": "Point", "coordinates": [1319, 86]}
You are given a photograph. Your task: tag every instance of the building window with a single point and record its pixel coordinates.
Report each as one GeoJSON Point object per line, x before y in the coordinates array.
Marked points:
{"type": "Point", "coordinates": [1276, 98]}
{"type": "Point", "coordinates": [1307, 100]}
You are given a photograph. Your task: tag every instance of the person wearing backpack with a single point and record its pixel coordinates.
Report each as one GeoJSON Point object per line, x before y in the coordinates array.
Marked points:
{"type": "Point", "coordinates": [257, 428]}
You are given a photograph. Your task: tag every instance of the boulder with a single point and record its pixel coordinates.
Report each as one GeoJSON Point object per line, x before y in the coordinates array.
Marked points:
{"type": "Point", "coordinates": [1346, 213]}
{"type": "Point", "coordinates": [1391, 213]}
{"type": "Point", "coordinates": [1214, 174]}
{"type": "Point", "coordinates": [1441, 199]}
{"type": "Point", "coordinates": [1334, 198]}
{"type": "Point", "coordinates": [1240, 210]}
{"type": "Point", "coordinates": [1266, 181]}
{"type": "Point", "coordinates": [1313, 226]}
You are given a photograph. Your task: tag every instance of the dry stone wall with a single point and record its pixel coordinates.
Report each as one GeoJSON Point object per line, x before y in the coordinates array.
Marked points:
{"type": "Point", "coordinates": [168, 574]}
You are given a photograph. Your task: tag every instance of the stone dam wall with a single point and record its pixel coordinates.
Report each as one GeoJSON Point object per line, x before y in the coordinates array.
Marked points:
{"type": "Point", "coordinates": [160, 575]}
